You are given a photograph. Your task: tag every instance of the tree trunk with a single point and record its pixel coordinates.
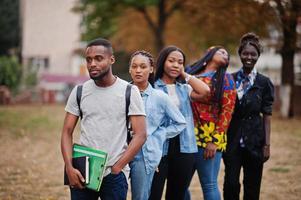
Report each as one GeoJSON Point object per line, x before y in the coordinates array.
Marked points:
{"type": "Point", "coordinates": [287, 83]}
{"type": "Point", "coordinates": [289, 25]}
{"type": "Point", "coordinates": [157, 27]}
{"type": "Point", "coordinates": [161, 25]}
{"type": "Point", "coordinates": [159, 40]}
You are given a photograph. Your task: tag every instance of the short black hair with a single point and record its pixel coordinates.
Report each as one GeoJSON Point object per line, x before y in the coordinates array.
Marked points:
{"type": "Point", "coordinates": [101, 42]}
{"type": "Point", "coordinates": [162, 58]}
{"type": "Point", "coordinates": [250, 39]}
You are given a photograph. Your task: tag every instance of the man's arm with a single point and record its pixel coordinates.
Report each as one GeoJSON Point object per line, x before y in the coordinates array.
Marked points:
{"type": "Point", "coordinates": [74, 176]}
{"type": "Point", "coordinates": [139, 136]}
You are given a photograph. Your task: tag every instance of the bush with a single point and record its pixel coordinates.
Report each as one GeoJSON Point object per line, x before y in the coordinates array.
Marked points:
{"type": "Point", "coordinates": [10, 72]}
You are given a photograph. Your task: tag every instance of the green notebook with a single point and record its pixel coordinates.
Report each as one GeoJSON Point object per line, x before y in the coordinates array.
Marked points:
{"type": "Point", "coordinates": [97, 164]}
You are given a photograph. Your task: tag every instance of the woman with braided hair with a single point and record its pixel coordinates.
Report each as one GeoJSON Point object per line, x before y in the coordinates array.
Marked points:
{"type": "Point", "coordinates": [212, 117]}
{"type": "Point", "coordinates": [159, 110]}
{"type": "Point", "coordinates": [249, 131]}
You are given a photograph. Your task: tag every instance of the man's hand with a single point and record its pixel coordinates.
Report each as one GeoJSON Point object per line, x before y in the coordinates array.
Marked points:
{"type": "Point", "coordinates": [139, 137]}
{"type": "Point", "coordinates": [76, 180]}
{"type": "Point", "coordinates": [210, 151]}
{"type": "Point", "coordinates": [116, 169]}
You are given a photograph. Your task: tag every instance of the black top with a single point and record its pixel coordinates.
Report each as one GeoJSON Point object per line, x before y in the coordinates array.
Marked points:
{"type": "Point", "coordinates": [247, 121]}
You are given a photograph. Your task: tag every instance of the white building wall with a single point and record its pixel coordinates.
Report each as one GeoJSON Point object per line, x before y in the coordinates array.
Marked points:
{"type": "Point", "coordinates": [50, 29]}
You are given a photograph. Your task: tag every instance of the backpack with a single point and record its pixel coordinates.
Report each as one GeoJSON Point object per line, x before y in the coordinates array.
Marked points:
{"type": "Point", "coordinates": [127, 104]}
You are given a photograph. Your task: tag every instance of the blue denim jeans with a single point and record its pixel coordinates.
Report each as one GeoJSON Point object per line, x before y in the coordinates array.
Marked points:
{"type": "Point", "coordinates": [208, 173]}
{"type": "Point", "coordinates": [141, 182]}
{"type": "Point", "coordinates": [113, 187]}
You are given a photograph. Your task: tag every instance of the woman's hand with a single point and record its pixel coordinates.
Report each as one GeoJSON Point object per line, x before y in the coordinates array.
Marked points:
{"type": "Point", "coordinates": [266, 152]}
{"type": "Point", "coordinates": [183, 74]}
{"type": "Point", "coordinates": [210, 151]}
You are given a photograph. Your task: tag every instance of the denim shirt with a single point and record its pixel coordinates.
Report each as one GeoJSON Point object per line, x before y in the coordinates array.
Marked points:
{"type": "Point", "coordinates": [187, 137]}
{"type": "Point", "coordinates": [159, 110]}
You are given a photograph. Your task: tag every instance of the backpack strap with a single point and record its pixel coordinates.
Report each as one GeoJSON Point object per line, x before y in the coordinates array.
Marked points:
{"type": "Point", "coordinates": [78, 99]}
{"type": "Point", "coordinates": [127, 104]}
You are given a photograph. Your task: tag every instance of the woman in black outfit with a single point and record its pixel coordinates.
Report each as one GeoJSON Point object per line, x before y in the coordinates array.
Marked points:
{"type": "Point", "coordinates": [248, 135]}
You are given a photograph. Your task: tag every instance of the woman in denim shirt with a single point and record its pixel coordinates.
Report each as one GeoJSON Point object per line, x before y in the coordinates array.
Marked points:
{"type": "Point", "coordinates": [163, 118]}
{"type": "Point", "coordinates": [177, 161]}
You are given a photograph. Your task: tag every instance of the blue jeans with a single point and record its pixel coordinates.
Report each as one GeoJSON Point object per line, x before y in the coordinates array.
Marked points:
{"type": "Point", "coordinates": [208, 173]}
{"type": "Point", "coordinates": [113, 187]}
{"type": "Point", "coordinates": [141, 182]}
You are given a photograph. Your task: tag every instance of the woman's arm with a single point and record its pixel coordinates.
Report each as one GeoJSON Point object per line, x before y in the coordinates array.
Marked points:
{"type": "Point", "coordinates": [267, 130]}
{"type": "Point", "coordinates": [266, 109]}
{"type": "Point", "coordinates": [200, 90]}
{"type": "Point", "coordinates": [178, 122]}
{"type": "Point", "coordinates": [222, 123]}
{"type": "Point", "coordinates": [228, 104]}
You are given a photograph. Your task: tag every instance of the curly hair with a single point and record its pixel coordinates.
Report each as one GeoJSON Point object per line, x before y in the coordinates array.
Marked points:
{"type": "Point", "coordinates": [150, 59]}
{"type": "Point", "coordinates": [250, 39]}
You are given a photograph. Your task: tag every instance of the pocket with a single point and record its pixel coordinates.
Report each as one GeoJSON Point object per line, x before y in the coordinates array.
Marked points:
{"type": "Point", "coordinates": [116, 177]}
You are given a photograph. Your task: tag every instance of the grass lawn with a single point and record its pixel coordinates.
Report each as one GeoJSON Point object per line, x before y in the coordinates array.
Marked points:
{"type": "Point", "coordinates": [32, 167]}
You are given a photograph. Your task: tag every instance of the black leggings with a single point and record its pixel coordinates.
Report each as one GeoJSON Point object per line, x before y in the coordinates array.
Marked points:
{"type": "Point", "coordinates": [176, 167]}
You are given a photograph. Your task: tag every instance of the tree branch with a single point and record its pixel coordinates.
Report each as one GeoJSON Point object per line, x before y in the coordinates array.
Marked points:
{"type": "Point", "coordinates": [175, 7]}
{"type": "Point", "coordinates": [146, 16]}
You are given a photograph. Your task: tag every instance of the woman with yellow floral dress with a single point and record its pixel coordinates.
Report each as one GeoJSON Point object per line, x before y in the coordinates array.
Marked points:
{"type": "Point", "coordinates": [212, 117]}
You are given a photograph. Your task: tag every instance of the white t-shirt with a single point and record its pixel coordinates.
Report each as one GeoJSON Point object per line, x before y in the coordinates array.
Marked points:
{"type": "Point", "coordinates": [103, 125]}
{"type": "Point", "coordinates": [171, 90]}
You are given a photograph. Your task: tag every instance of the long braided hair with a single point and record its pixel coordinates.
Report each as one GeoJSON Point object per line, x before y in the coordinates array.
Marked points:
{"type": "Point", "coordinates": [217, 79]}
{"type": "Point", "coordinates": [151, 59]}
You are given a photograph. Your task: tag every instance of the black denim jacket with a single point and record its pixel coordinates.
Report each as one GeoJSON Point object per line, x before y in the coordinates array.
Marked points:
{"type": "Point", "coordinates": [247, 121]}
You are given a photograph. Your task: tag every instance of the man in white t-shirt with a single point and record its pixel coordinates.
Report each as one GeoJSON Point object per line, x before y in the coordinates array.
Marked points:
{"type": "Point", "coordinates": [103, 124]}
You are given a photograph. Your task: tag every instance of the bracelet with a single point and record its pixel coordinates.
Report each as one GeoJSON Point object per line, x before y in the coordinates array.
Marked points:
{"type": "Point", "coordinates": [187, 78]}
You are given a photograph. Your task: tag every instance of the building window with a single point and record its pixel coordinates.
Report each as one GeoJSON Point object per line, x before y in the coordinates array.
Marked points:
{"type": "Point", "coordinates": [39, 63]}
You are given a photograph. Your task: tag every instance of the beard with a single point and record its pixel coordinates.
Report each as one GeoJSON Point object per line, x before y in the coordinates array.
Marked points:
{"type": "Point", "coordinates": [100, 75]}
